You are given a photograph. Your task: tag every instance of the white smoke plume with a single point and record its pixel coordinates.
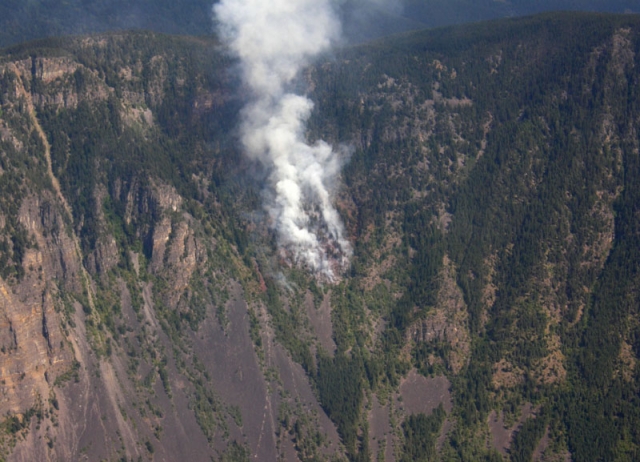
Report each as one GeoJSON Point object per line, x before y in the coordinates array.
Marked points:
{"type": "Point", "coordinates": [274, 40]}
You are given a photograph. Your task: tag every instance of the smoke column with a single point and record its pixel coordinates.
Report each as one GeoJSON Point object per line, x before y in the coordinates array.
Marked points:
{"type": "Point", "coordinates": [274, 40]}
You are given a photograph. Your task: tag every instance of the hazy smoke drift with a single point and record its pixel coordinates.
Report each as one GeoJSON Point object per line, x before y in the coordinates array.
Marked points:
{"type": "Point", "coordinates": [274, 40]}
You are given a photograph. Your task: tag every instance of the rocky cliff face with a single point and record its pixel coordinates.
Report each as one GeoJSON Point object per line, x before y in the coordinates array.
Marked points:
{"type": "Point", "coordinates": [103, 273]}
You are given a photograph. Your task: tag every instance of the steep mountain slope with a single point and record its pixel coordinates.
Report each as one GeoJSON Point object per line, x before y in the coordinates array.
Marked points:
{"type": "Point", "coordinates": [503, 154]}
{"type": "Point", "coordinates": [490, 311]}
{"type": "Point", "coordinates": [126, 329]}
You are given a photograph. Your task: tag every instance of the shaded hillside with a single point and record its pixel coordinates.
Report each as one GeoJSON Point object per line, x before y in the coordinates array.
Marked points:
{"type": "Point", "coordinates": [363, 19]}
{"type": "Point", "coordinates": [23, 21]}
{"type": "Point", "coordinates": [490, 311]}
{"type": "Point", "coordinates": [366, 21]}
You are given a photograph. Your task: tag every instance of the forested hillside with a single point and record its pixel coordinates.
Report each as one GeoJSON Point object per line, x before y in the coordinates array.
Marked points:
{"type": "Point", "coordinates": [490, 311]}
{"type": "Point", "coordinates": [501, 159]}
